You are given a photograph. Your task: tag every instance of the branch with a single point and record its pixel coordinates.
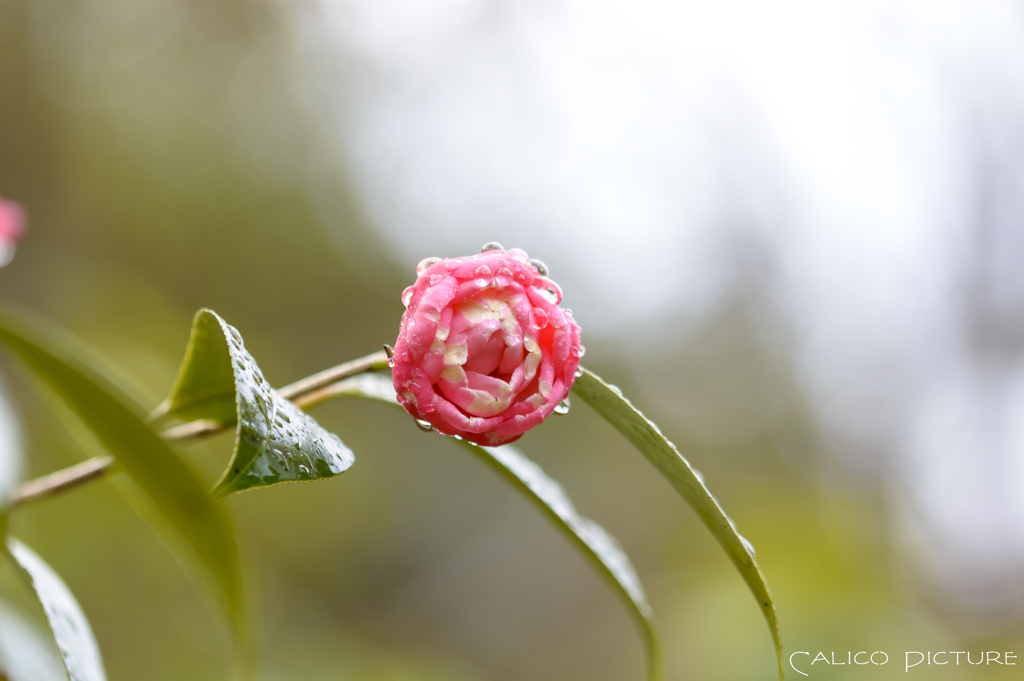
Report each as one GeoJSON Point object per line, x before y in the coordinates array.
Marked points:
{"type": "Point", "coordinates": [96, 467]}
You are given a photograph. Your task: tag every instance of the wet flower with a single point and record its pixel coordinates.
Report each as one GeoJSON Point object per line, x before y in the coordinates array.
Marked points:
{"type": "Point", "coordinates": [484, 351]}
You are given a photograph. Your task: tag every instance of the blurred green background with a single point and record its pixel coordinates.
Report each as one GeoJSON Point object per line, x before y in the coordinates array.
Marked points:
{"type": "Point", "coordinates": [167, 164]}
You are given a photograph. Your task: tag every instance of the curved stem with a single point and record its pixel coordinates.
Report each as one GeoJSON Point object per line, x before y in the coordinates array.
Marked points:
{"type": "Point", "coordinates": [92, 469]}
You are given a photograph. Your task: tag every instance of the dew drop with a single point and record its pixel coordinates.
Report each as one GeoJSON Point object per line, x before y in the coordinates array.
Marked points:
{"type": "Point", "coordinates": [457, 437]}
{"type": "Point", "coordinates": [405, 356]}
{"type": "Point", "coordinates": [568, 311]}
{"type": "Point", "coordinates": [583, 351]}
{"type": "Point", "coordinates": [615, 389]}
{"type": "Point", "coordinates": [436, 279]}
{"type": "Point", "coordinates": [407, 295]}
{"type": "Point", "coordinates": [521, 278]}
{"type": "Point", "coordinates": [562, 407]}
{"type": "Point", "coordinates": [505, 272]}
{"type": "Point", "coordinates": [540, 318]}
{"type": "Point", "coordinates": [483, 271]}
{"type": "Point", "coordinates": [748, 545]}
{"type": "Point", "coordinates": [579, 372]}
{"type": "Point", "coordinates": [482, 283]}
{"type": "Point", "coordinates": [541, 268]}
{"type": "Point", "coordinates": [549, 295]}
{"type": "Point", "coordinates": [492, 246]}
{"type": "Point", "coordinates": [391, 362]}
{"type": "Point", "coordinates": [425, 264]}
{"type": "Point", "coordinates": [520, 255]}
{"type": "Point", "coordinates": [303, 469]}
{"type": "Point", "coordinates": [451, 265]}
{"type": "Point", "coordinates": [424, 425]}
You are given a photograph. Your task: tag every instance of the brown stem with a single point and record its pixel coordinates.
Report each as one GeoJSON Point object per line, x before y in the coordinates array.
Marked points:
{"type": "Point", "coordinates": [96, 467]}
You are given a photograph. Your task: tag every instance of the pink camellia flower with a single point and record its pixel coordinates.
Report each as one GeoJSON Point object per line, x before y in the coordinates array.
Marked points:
{"type": "Point", "coordinates": [12, 226]}
{"type": "Point", "coordinates": [484, 351]}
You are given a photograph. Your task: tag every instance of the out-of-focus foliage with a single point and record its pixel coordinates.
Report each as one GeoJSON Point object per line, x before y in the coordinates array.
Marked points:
{"type": "Point", "coordinates": [275, 441]}
{"type": "Point", "coordinates": [68, 623]}
{"type": "Point", "coordinates": [169, 161]}
{"type": "Point", "coordinates": [166, 490]}
{"type": "Point", "coordinates": [608, 401]}
{"type": "Point", "coordinates": [532, 482]}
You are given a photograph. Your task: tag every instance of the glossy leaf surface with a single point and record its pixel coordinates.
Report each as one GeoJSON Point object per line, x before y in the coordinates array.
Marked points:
{"type": "Point", "coordinates": [275, 441]}
{"type": "Point", "coordinates": [607, 400]}
{"type": "Point", "coordinates": [175, 502]}
{"type": "Point", "coordinates": [71, 629]}
{"type": "Point", "coordinates": [530, 480]}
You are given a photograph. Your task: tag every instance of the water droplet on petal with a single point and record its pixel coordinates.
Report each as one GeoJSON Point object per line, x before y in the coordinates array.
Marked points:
{"type": "Point", "coordinates": [483, 271]}
{"type": "Point", "coordinates": [520, 255]}
{"type": "Point", "coordinates": [492, 246]}
{"type": "Point", "coordinates": [542, 269]}
{"type": "Point", "coordinates": [424, 425]}
{"type": "Point", "coordinates": [452, 265]}
{"type": "Point", "coordinates": [563, 407]}
{"type": "Point", "coordinates": [504, 272]}
{"type": "Point", "coordinates": [425, 264]}
{"type": "Point", "coordinates": [579, 372]}
{"type": "Point", "coordinates": [583, 351]}
{"type": "Point", "coordinates": [436, 279]}
{"type": "Point", "coordinates": [540, 318]}
{"type": "Point", "coordinates": [405, 356]}
{"type": "Point", "coordinates": [549, 295]}
{"type": "Point", "coordinates": [407, 295]}
{"type": "Point", "coordinates": [391, 362]}
{"type": "Point", "coordinates": [521, 278]}
{"type": "Point", "coordinates": [457, 437]}
{"type": "Point", "coordinates": [568, 311]}
{"type": "Point", "coordinates": [482, 283]}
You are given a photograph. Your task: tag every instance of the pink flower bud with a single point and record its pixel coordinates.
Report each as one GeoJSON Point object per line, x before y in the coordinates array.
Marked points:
{"type": "Point", "coordinates": [484, 351]}
{"type": "Point", "coordinates": [12, 226]}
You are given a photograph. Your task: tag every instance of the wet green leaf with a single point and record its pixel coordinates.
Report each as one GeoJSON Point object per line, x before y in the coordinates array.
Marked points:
{"type": "Point", "coordinates": [70, 628]}
{"type": "Point", "coordinates": [607, 400]}
{"type": "Point", "coordinates": [176, 504]}
{"type": "Point", "coordinates": [275, 441]}
{"type": "Point", "coordinates": [600, 548]}
{"type": "Point", "coordinates": [27, 651]}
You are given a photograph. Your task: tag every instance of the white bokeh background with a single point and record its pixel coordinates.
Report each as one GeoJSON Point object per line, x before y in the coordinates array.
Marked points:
{"type": "Point", "coordinates": [862, 163]}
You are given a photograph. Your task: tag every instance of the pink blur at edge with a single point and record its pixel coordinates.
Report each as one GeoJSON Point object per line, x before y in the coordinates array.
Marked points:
{"type": "Point", "coordinates": [484, 351]}
{"type": "Point", "coordinates": [12, 221]}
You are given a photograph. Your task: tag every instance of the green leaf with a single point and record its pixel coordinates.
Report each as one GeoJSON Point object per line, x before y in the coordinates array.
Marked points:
{"type": "Point", "coordinates": [532, 482]}
{"type": "Point", "coordinates": [27, 652]}
{"type": "Point", "coordinates": [70, 628]}
{"type": "Point", "coordinates": [195, 522]}
{"type": "Point", "coordinates": [607, 400]}
{"type": "Point", "coordinates": [275, 441]}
